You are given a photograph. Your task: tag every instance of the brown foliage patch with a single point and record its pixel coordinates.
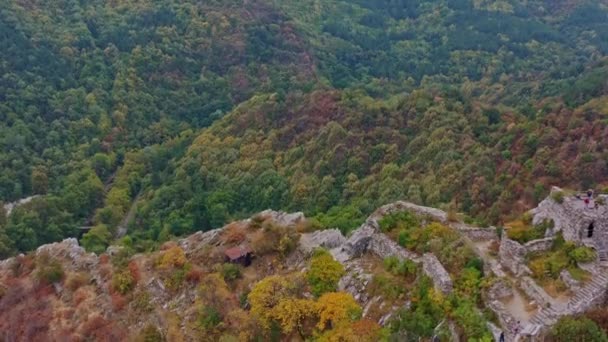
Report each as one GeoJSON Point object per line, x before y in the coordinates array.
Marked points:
{"type": "Point", "coordinates": [234, 233]}
{"type": "Point", "coordinates": [15, 293]}
{"type": "Point", "coordinates": [67, 314]}
{"type": "Point", "coordinates": [134, 269]}
{"type": "Point", "coordinates": [22, 265]}
{"type": "Point", "coordinates": [27, 320]}
{"type": "Point", "coordinates": [168, 245]}
{"type": "Point", "coordinates": [104, 259]}
{"type": "Point", "coordinates": [80, 296]}
{"type": "Point", "coordinates": [194, 275]}
{"type": "Point", "coordinates": [99, 329]}
{"type": "Point", "coordinates": [599, 316]}
{"type": "Point", "coordinates": [105, 271]}
{"type": "Point", "coordinates": [118, 301]}
{"type": "Point", "coordinates": [76, 280]}
{"type": "Point", "coordinates": [367, 330]}
{"type": "Point", "coordinates": [44, 290]}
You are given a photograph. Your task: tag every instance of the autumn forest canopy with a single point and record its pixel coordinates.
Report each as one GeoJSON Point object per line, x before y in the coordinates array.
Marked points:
{"type": "Point", "coordinates": [151, 119]}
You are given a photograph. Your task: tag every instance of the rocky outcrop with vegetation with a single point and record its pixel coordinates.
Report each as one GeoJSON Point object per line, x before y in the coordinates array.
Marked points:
{"type": "Point", "coordinates": [406, 263]}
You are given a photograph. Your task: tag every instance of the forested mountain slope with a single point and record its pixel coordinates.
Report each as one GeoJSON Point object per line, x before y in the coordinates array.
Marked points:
{"type": "Point", "coordinates": [331, 107]}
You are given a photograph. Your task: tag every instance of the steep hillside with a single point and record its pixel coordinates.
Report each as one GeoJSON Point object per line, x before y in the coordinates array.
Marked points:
{"type": "Point", "coordinates": [330, 107]}
{"type": "Point", "coordinates": [433, 104]}
{"type": "Point", "coordinates": [81, 79]}
{"type": "Point", "coordinates": [84, 83]}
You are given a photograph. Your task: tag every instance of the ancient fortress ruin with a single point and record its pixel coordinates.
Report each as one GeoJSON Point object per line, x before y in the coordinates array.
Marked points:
{"type": "Point", "coordinates": [513, 289]}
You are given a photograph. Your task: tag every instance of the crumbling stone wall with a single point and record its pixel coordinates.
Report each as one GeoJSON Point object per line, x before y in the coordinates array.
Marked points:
{"type": "Point", "coordinates": [368, 238]}
{"type": "Point", "coordinates": [539, 245]}
{"type": "Point", "coordinates": [433, 268]}
{"type": "Point", "coordinates": [480, 234]}
{"type": "Point", "coordinates": [512, 255]}
{"type": "Point", "coordinates": [504, 317]}
{"type": "Point", "coordinates": [383, 247]}
{"type": "Point", "coordinates": [532, 290]}
{"type": "Point", "coordinates": [436, 214]}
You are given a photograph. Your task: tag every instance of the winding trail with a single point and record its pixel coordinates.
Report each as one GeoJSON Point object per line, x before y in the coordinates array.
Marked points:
{"type": "Point", "coordinates": [122, 227]}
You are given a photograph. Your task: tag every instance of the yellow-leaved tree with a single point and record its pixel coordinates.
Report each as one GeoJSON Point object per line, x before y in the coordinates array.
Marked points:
{"type": "Point", "coordinates": [265, 295]}
{"type": "Point", "coordinates": [336, 308]}
{"type": "Point", "coordinates": [294, 314]}
{"type": "Point", "coordinates": [172, 257]}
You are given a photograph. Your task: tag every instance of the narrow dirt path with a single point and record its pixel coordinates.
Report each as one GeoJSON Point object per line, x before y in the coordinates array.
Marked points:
{"type": "Point", "coordinates": [122, 227]}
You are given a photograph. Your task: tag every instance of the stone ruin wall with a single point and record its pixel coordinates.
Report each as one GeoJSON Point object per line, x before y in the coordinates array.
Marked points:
{"type": "Point", "coordinates": [571, 217]}
{"type": "Point", "coordinates": [539, 245]}
{"type": "Point", "coordinates": [532, 290]}
{"type": "Point", "coordinates": [512, 255]}
{"type": "Point", "coordinates": [480, 234]}
{"type": "Point", "coordinates": [441, 278]}
{"type": "Point", "coordinates": [368, 238]}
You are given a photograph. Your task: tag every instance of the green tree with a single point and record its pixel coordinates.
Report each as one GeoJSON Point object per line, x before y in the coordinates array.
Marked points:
{"type": "Point", "coordinates": [577, 329]}
{"type": "Point", "coordinates": [40, 180]}
{"type": "Point", "coordinates": [324, 273]}
{"type": "Point", "coordinates": [97, 239]}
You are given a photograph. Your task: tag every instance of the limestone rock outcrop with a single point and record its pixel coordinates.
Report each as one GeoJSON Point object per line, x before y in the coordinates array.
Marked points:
{"type": "Point", "coordinates": [199, 239]}
{"type": "Point", "coordinates": [358, 242]}
{"type": "Point", "coordinates": [282, 218]}
{"type": "Point", "coordinates": [328, 239]}
{"type": "Point", "coordinates": [8, 207]}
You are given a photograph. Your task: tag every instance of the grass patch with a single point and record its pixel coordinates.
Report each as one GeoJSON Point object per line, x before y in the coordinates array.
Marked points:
{"type": "Point", "coordinates": [403, 220]}
{"type": "Point", "coordinates": [546, 266]}
{"type": "Point", "coordinates": [558, 197]}
{"type": "Point", "coordinates": [579, 274]}
{"type": "Point", "coordinates": [523, 231]}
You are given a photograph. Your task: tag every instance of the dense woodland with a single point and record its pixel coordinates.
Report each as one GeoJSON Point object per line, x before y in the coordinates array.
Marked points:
{"type": "Point", "coordinates": [166, 117]}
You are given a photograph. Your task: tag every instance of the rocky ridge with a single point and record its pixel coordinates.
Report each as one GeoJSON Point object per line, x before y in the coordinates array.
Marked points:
{"type": "Point", "coordinates": [369, 240]}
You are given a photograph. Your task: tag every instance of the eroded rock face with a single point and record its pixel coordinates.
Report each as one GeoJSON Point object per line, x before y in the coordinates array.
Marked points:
{"type": "Point", "coordinates": [355, 281]}
{"type": "Point", "coordinates": [539, 245]}
{"type": "Point", "coordinates": [8, 207]}
{"type": "Point", "coordinates": [73, 256]}
{"type": "Point", "coordinates": [329, 238]}
{"type": "Point", "coordinates": [282, 218]}
{"type": "Point", "coordinates": [201, 239]}
{"type": "Point", "coordinates": [478, 234]}
{"type": "Point", "coordinates": [357, 243]}
{"type": "Point", "coordinates": [532, 290]}
{"type": "Point", "coordinates": [504, 317]}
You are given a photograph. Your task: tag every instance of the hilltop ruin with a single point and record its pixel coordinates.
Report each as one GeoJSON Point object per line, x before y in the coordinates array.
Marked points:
{"type": "Point", "coordinates": [522, 306]}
